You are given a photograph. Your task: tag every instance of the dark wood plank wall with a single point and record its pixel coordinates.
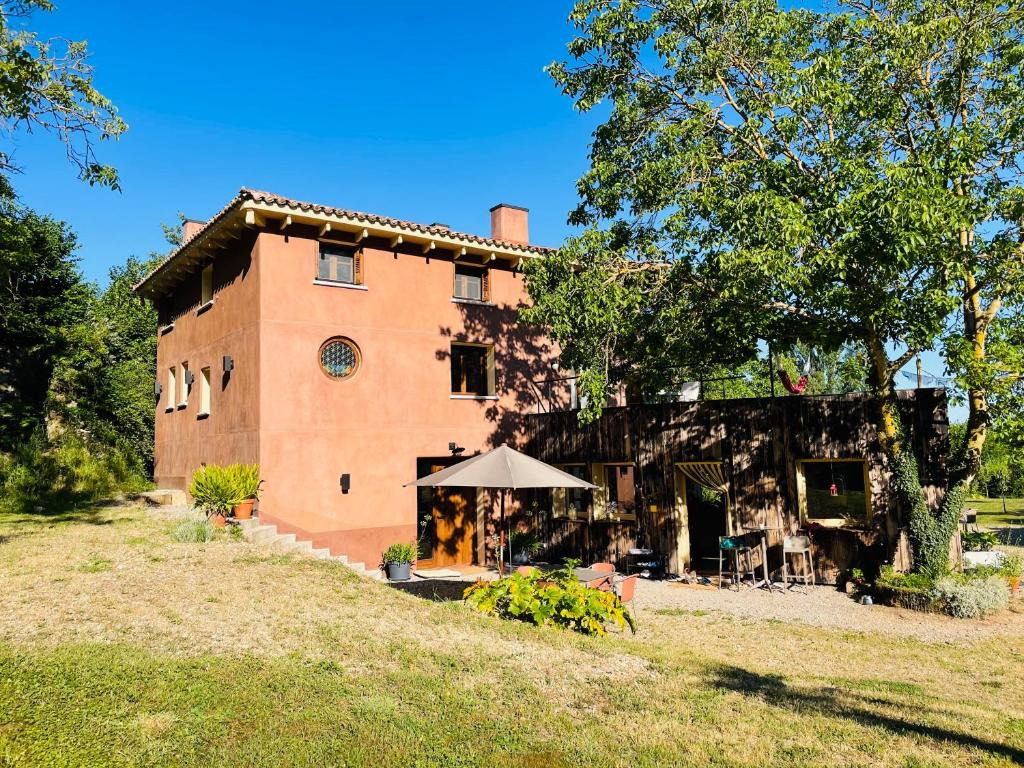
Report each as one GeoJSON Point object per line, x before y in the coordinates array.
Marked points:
{"type": "Point", "coordinates": [759, 442]}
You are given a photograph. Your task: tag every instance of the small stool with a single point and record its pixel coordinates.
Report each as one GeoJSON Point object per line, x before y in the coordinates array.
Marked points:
{"type": "Point", "coordinates": [798, 545]}
{"type": "Point", "coordinates": [735, 545]}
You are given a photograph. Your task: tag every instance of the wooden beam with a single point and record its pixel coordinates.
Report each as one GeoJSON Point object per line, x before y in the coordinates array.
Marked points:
{"type": "Point", "coordinates": [325, 228]}
{"type": "Point", "coordinates": [396, 241]}
{"type": "Point", "coordinates": [285, 222]}
{"type": "Point", "coordinates": [428, 247]}
{"type": "Point", "coordinates": [254, 219]}
{"type": "Point", "coordinates": [458, 252]}
{"type": "Point", "coordinates": [362, 236]}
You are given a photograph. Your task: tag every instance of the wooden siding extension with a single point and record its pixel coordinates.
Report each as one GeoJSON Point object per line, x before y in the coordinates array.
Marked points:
{"type": "Point", "coordinates": [759, 442]}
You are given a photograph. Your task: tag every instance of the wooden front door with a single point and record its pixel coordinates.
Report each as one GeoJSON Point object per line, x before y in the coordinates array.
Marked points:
{"type": "Point", "coordinates": [447, 522]}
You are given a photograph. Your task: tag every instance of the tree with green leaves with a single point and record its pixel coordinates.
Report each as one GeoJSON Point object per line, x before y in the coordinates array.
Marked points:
{"type": "Point", "coordinates": [48, 85]}
{"type": "Point", "coordinates": [827, 178]}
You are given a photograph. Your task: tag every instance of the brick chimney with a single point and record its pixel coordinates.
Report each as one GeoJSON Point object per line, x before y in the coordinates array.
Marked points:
{"type": "Point", "coordinates": [189, 229]}
{"type": "Point", "coordinates": [511, 223]}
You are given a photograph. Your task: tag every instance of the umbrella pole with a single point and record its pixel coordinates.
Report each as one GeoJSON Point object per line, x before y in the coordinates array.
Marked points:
{"type": "Point", "coordinates": [501, 537]}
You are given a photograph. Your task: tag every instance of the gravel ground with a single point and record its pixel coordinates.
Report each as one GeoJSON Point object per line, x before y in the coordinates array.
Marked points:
{"type": "Point", "coordinates": [826, 607]}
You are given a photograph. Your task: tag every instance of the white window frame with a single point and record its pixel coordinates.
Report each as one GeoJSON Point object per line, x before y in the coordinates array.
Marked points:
{"type": "Point", "coordinates": [204, 391]}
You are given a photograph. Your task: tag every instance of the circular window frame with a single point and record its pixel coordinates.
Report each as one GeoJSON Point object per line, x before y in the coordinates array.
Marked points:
{"type": "Point", "coordinates": [355, 349]}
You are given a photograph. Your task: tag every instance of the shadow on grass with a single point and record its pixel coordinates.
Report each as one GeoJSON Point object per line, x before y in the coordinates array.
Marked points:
{"type": "Point", "coordinates": [832, 702]}
{"type": "Point", "coordinates": [435, 590]}
{"type": "Point", "coordinates": [1012, 535]}
{"type": "Point", "coordinates": [55, 510]}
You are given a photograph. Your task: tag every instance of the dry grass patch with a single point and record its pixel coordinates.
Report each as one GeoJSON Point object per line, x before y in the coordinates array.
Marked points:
{"type": "Point", "coordinates": [222, 653]}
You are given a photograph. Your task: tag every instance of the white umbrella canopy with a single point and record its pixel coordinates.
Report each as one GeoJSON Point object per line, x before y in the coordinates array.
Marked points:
{"type": "Point", "coordinates": [505, 469]}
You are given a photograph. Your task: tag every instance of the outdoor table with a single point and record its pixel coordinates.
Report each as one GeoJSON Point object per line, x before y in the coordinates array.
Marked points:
{"type": "Point", "coordinates": [594, 578]}
{"type": "Point", "coordinates": [763, 546]}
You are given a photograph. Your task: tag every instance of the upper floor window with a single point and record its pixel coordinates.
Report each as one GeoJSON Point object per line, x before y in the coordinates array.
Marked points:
{"type": "Point", "coordinates": [338, 264]}
{"type": "Point", "coordinates": [207, 296]}
{"type": "Point", "coordinates": [472, 370]}
{"type": "Point", "coordinates": [472, 283]}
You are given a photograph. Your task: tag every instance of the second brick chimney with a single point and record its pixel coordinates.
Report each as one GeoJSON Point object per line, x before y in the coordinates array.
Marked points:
{"type": "Point", "coordinates": [510, 223]}
{"type": "Point", "coordinates": [189, 229]}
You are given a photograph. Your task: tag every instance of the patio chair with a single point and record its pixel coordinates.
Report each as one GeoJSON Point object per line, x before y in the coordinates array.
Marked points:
{"type": "Point", "coordinates": [603, 567]}
{"type": "Point", "coordinates": [793, 546]}
{"type": "Point", "coordinates": [626, 590]}
{"type": "Point", "coordinates": [526, 570]}
{"type": "Point", "coordinates": [741, 552]}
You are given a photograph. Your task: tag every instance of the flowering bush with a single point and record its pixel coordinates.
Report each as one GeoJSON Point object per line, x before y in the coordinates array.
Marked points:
{"type": "Point", "coordinates": [554, 597]}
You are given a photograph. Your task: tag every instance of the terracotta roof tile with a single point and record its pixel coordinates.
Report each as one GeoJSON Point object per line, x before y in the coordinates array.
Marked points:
{"type": "Point", "coordinates": [268, 198]}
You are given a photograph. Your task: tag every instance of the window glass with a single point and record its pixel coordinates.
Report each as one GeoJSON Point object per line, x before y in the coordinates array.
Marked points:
{"type": "Point", "coordinates": [574, 503]}
{"type": "Point", "coordinates": [619, 491]}
{"type": "Point", "coordinates": [207, 284]}
{"type": "Point", "coordinates": [337, 264]}
{"type": "Point", "coordinates": [339, 358]}
{"type": "Point", "coordinates": [470, 370]}
{"type": "Point", "coordinates": [469, 283]}
{"type": "Point", "coordinates": [204, 392]}
{"type": "Point", "coordinates": [834, 490]}
{"type": "Point", "coordinates": [184, 385]}
{"type": "Point", "coordinates": [171, 387]}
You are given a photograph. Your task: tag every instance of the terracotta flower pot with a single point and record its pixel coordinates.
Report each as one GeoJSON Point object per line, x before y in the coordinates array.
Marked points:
{"type": "Point", "coordinates": [243, 511]}
{"type": "Point", "coordinates": [218, 520]}
{"type": "Point", "coordinates": [1015, 585]}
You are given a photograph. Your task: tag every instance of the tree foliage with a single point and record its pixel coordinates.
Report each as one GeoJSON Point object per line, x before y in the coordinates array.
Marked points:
{"type": "Point", "coordinates": [48, 85]}
{"type": "Point", "coordinates": [829, 178]}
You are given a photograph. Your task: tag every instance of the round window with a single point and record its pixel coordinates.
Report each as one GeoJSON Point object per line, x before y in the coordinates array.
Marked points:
{"type": "Point", "coordinates": [339, 358]}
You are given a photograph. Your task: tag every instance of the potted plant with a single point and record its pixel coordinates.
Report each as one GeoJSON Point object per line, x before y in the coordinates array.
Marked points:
{"type": "Point", "coordinates": [247, 482]}
{"type": "Point", "coordinates": [524, 546]}
{"type": "Point", "coordinates": [398, 558]}
{"type": "Point", "coordinates": [214, 491]}
{"type": "Point", "coordinates": [1011, 569]}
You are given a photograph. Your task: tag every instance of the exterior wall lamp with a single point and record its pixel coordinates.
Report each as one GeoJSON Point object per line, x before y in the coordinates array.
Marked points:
{"type": "Point", "coordinates": [346, 483]}
{"type": "Point", "coordinates": [229, 363]}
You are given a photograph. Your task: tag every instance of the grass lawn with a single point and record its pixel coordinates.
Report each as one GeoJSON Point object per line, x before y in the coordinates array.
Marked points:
{"type": "Point", "coordinates": [121, 647]}
{"type": "Point", "coordinates": [991, 515]}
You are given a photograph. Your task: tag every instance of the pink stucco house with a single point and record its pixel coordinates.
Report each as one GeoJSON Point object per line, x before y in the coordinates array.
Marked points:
{"type": "Point", "coordinates": [346, 353]}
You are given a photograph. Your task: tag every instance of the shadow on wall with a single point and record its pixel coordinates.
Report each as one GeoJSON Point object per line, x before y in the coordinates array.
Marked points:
{"type": "Point", "coordinates": [523, 355]}
{"type": "Point", "coordinates": [870, 709]}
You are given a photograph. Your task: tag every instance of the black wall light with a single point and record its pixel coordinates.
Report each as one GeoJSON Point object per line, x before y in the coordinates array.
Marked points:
{"type": "Point", "coordinates": [456, 449]}
{"type": "Point", "coordinates": [346, 483]}
{"type": "Point", "coordinates": [229, 363]}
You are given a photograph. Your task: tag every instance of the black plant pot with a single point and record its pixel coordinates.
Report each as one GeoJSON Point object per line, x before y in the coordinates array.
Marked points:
{"type": "Point", "coordinates": [398, 571]}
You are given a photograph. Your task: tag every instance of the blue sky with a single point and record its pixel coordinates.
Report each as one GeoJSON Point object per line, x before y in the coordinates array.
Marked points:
{"type": "Point", "coordinates": [422, 111]}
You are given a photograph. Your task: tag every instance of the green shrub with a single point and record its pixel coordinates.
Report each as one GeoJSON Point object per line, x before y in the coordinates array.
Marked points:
{"type": "Point", "coordinates": [247, 480]}
{"type": "Point", "coordinates": [67, 471]}
{"type": "Point", "coordinates": [214, 490]}
{"type": "Point", "coordinates": [521, 541]}
{"type": "Point", "coordinates": [398, 554]}
{"type": "Point", "coordinates": [979, 541]}
{"type": "Point", "coordinates": [1012, 567]}
{"type": "Point", "coordinates": [192, 532]}
{"type": "Point", "coordinates": [555, 598]}
{"type": "Point", "coordinates": [970, 598]}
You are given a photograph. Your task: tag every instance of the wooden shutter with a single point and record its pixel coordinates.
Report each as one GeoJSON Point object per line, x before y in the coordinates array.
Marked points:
{"type": "Point", "coordinates": [357, 267]}
{"type": "Point", "coordinates": [485, 285]}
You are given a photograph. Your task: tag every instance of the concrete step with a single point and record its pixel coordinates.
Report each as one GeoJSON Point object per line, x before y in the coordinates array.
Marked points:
{"type": "Point", "coordinates": [283, 542]}
{"type": "Point", "coordinates": [261, 534]}
{"type": "Point", "coordinates": [343, 559]}
{"type": "Point", "coordinates": [164, 497]}
{"type": "Point", "coordinates": [250, 524]}
{"type": "Point", "coordinates": [322, 554]}
{"type": "Point", "coordinates": [301, 547]}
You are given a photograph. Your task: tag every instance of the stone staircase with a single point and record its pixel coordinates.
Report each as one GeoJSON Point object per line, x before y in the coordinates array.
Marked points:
{"type": "Point", "coordinates": [265, 535]}
{"type": "Point", "coordinates": [268, 536]}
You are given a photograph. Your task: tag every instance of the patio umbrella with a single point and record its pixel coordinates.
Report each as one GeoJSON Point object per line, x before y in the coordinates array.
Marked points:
{"type": "Point", "coordinates": [503, 469]}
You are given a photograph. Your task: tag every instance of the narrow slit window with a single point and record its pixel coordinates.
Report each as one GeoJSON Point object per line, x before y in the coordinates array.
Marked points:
{"type": "Point", "coordinates": [186, 385]}
{"type": "Point", "coordinates": [338, 265]}
{"type": "Point", "coordinates": [204, 392]}
{"type": "Point", "coordinates": [171, 386]}
{"type": "Point", "coordinates": [207, 284]}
